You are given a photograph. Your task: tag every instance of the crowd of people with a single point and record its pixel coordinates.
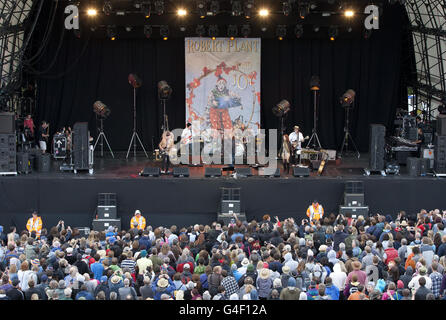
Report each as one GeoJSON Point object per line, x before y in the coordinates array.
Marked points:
{"type": "Point", "coordinates": [328, 258]}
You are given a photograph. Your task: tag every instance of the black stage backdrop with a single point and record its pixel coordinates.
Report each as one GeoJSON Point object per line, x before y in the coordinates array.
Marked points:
{"type": "Point", "coordinates": [89, 69]}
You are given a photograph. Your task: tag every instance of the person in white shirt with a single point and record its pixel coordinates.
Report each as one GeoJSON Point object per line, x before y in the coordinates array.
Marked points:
{"type": "Point", "coordinates": [296, 139]}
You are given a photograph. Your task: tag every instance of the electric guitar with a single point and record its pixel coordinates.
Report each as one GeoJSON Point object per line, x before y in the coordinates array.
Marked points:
{"type": "Point", "coordinates": [296, 143]}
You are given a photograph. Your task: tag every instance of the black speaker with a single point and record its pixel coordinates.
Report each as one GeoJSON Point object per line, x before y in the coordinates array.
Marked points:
{"type": "Point", "coordinates": [151, 172]}
{"type": "Point", "coordinates": [301, 172]}
{"type": "Point", "coordinates": [23, 163]}
{"type": "Point", "coordinates": [80, 145]}
{"type": "Point", "coordinates": [7, 122]}
{"type": "Point", "coordinates": [106, 208]}
{"type": "Point", "coordinates": [212, 172]}
{"type": "Point", "coordinates": [376, 147]}
{"type": "Point", "coordinates": [43, 162]}
{"type": "Point", "coordinates": [424, 166]}
{"type": "Point", "coordinates": [104, 224]}
{"type": "Point", "coordinates": [8, 141]}
{"type": "Point", "coordinates": [441, 125]}
{"type": "Point", "coordinates": [440, 148]}
{"type": "Point", "coordinates": [107, 199]}
{"type": "Point", "coordinates": [440, 166]}
{"type": "Point", "coordinates": [413, 166]}
{"type": "Point", "coordinates": [243, 172]}
{"type": "Point", "coordinates": [269, 172]}
{"type": "Point", "coordinates": [181, 172]}
{"type": "Point", "coordinates": [354, 187]}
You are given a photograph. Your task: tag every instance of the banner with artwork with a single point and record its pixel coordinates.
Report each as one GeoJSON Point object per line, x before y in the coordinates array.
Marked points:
{"type": "Point", "coordinates": [223, 83]}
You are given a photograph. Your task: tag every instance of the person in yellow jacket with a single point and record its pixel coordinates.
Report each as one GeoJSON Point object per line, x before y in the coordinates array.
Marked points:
{"type": "Point", "coordinates": [34, 224]}
{"type": "Point", "coordinates": [138, 221]}
{"type": "Point", "coordinates": [315, 211]}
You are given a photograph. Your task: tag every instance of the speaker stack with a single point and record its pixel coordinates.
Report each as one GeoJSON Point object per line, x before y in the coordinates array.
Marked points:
{"type": "Point", "coordinates": [354, 200]}
{"type": "Point", "coordinates": [230, 204]}
{"type": "Point", "coordinates": [81, 146]}
{"type": "Point", "coordinates": [376, 147]}
{"type": "Point", "coordinates": [106, 213]}
{"type": "Point", "coordinates": [8, 164]}
{"type": "Point", "coordinates": [440, 146]}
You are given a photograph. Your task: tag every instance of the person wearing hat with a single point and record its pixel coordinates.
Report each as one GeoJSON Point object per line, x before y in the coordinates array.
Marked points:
{"type": "Point", "coordinates": [244, 263]}
{"type": "Point", "coordinates": [143, 262]}
{"type": "Point", "coordinates": [34, 224]}
{"type": "Point", "coordinates": [138, 221]}
{"type": "Point", "coordinates": [315, 212]}
{"type": "Point", "coordinates": [104, 287]}
{"type": "Point", "coordinates": [422, 273]}
{"type": "Point", "coordinates": [162, 285]}
{"type": "Point", "coordinates": [264, 284]}
{"type": "Point", "coordinates": [296, 138]}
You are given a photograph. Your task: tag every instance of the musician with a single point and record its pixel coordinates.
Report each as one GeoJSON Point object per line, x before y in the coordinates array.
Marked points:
{"type": "Point", "coordinates": [315, 212]}
{"type": "Point", "coordinates": [34, 224]}
{"type": "Point", "coordinates": [43, 136]}
{"type": "Point", "coordinates": [186, 135]}
{"type": "Point", "coordinates": [28, 125]}
{"type": "Point", "coordinates": [138, 221]}
{"type": "Point", "coordinates": [165, 147]}
{"type": "Point", "coordinates": [420, 141]}
{"type": "Point", "coordinates": [296, 139]}
{"type": "Point", "coordinates": [286, 152]}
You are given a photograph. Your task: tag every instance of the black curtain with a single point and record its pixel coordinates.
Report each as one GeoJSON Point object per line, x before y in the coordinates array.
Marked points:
{"type": "Point", "coordinates": [90, 69]}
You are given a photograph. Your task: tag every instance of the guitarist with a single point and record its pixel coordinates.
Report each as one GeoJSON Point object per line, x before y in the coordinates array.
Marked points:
{"type": "Point", "coordinates": [296, 139]}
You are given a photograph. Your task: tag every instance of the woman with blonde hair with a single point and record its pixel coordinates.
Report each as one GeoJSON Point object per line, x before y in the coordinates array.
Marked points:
{"type": "Point", "coordinates": [166, 146]}
{"type": "Point", "coordinates": [286, 152]}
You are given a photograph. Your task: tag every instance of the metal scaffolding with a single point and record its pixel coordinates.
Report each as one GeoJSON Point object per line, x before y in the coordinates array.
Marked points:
{"type": "Point", "coordinates": [428, 26]}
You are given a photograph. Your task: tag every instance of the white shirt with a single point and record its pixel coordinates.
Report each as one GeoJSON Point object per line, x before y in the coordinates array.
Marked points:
{"type": "Point", "coordinates": [299, 138]}
{"type": "Point", "coordinates": [186, 136]}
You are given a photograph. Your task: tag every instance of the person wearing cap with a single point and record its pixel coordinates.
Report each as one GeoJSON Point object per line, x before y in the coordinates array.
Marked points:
{"type": "Point", "coordinates": [34, 224]}
{"type": "Point", "coordinates": [104, 287]}
{"type": "Point", "coordinates": [15, 293]}
{"type": "Point", "coordinates": [143, 262]}
{"type": "Point", "coordinates": [296, 138]}
{"type": "Point", "coordinates": [315, 212]}
{"type": "Point", "coordinates": [138, 221]}
{"type": "Point", "coordinates": [414, 283]}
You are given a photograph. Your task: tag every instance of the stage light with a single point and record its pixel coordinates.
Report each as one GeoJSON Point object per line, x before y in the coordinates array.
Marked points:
{"type": "Point", "coordinates": [263, 12]}
{"type": "Point", "coordinates": [181, 12]}
{"type": "Point", "coordinates": [146, 9]}
{"type": "Point", "coordinates": [281, 109]}
{"type": "Point", "coordinates": [249, 6]}
{"type": "Point", "coordinates": [164, 32]}
{"type": "Point", "coordinates": [92, 12]}
{"type": "Point", "coordinates": [333, 32]}
{"type": "Point", "coordinates": [201, 7]}
{"type": "Point", "coordinates": [232, 31]}
{"type": "Point", "coordinates": [304, 10]}
{"type": "Point", "coordinates": [280, 32]}
{"type": "Point", "coordinates": [286, 8]}
{"type": "Point", "coordinates": [200, 30]}
{"type": "Point", "coordinates": [111, 32]}
{"type": "Point", "coordinates": [315, 83]}
{"type": "Point", "coordinates": [236, 8]}
{"type": "Point", "coordinates": [349, 13]}
{"type": "Point", "coordinates": [348, 98]}
{"type": "Point", "coordinates": [213, 31]}
{"type": "Point", "coordinates": [214, 7]}
{"type": "Point", "coordinates": [107, 8]}
{"type": "Point", "coordinates": [148, 31]}
{"type": "Point", "coordinates": [159, 7]}
{"type": "Point", "coordinates": [246, 30]}
{"type": "Point", "coordinates": [299, 31]}
{"type": "Point", "coordinates": [164, 90]}
{"type": "Point", "coordinates": [101, 110]}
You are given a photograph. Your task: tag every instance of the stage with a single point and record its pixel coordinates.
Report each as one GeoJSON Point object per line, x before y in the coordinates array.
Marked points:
{"type": "Point", "coordinates": [184, 201]}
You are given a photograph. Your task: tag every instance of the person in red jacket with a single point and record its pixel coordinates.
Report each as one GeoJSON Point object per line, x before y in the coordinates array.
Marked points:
{"type": "Point", "coordinates": [391, 253]}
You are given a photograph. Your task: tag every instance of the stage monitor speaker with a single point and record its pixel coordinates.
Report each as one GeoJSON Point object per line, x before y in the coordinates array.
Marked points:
{"type": "Point", "coordinates": [354, 212]}
{"type": "Point", "coordinates": [23, 163]}
{"type": "Point", "coordinates": [104, 224]}
{"type": "Point", "coordinates": [413, 166]}
{"type": "Point", "coordinates": [181, 172]}
{"type": "Point", "coordinates": [226, 219]}
{"type": "Point", "coordinates": [43, 162]}
{"type": "Point", "coordinates": [354, 199]}
{"type": "Point", "coordinates": [212, 172]}
{"type": "Point", "coordinates": [81, 146]}
{"type": "Point", "coordinates": [106, 208]}
{"type": "Point", "coordinates": [230, 201]}
{"type": "Point", "coordinates": [441, 125]}
{"type": "Point", "coordinates": [151, 172]}
{"type": "Point", "coordinates": [301, 171]}
{"type": "Point", "coordinates": [269, 172]}
{"type": "Point", "coordinates": [376, 147]}
{"type": "Point", "coordinates": [354, 187]}
{"type": "Point", "coordinates": [424, 166]}
{"type": "Point", "coordinates": [243, 172]}
{"type": "Point", "coordinates": [7, 122]}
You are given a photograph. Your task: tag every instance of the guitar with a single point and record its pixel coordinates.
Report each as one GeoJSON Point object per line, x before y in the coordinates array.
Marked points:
{"type": "Point", "coordinates": [322, 165]}
{"type": "Point", "coordinates": [296, 143]}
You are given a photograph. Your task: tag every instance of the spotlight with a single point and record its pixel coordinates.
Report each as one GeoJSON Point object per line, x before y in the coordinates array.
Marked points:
{"type": "Point", "coordinates": [200, 30]}
{"type": "Point", "coordinates": [107, 8]}
{"type": "Point", "coordinates": [214, 7]}
{"type": "Point", "coordinates": [299, 31]}
{"type": "Point", "coordinates": [164, 32]}
{"type": "Point", "coordinates": [159, 7]}
{"type": "Point", "coordinates": [348, 98]}
{"type": "Point", "coordinates": [281, 32]}
{"type": "Point", "coordinates": [263, 12]}
{"type": "Point", "coordinates": [349, 13]}
{"type": "Point", "coordinates": [147, 31]}
{"type": "Point", "coordinates": [367, 33]}
{"type": "Point", "coordinates": [232, 31]}
{"type": "Point", "coordinates": [249, 6]}
{"type": "Point", "coordinates": [201, 6]}
{"type": "Point", "coordinates": [111, 32]}
{"type": "Point", "coordinates": [213, 31]}
{"type": "Point", "coordinates": [286, 8]}
{"type": "Point", "coordinates": [92, 12]}
{"type": "Point", "coordinates": [101, 109]}
{"type": "Point", "coordinates": [182, 12]}
{"type": "Point", "coordinates": [333, 32]}
{"type": "Point", "coordinates": [146, 9]}
{"type": "Point", "coordinates": [236, 8]}
{"type": "Point", "coordinates": [246, 30]}
{"type": "Point", "coordinates": [164, 90]}
{"type": "Point", "coordinates": [282, 108]}
{"type": "Point", "coordinates": [304, 9]}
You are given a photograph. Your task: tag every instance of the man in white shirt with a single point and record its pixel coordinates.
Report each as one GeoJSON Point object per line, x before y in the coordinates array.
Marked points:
{"type": "Point", "coordinates": [296, 139]}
